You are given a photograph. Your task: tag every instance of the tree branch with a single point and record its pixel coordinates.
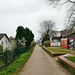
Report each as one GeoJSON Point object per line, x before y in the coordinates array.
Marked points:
{"type": "Point", "coordinates": [71, 15]}
{"type": "Point", "coordinates": [71, 1]}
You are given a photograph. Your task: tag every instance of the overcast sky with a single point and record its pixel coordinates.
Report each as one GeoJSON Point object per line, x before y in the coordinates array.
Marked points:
{"type": "Point", "coordinates": [28, 13]}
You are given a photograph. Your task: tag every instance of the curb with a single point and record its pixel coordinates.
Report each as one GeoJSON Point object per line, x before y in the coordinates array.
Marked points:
{"type": "Point", "coordinates": [67, 62]}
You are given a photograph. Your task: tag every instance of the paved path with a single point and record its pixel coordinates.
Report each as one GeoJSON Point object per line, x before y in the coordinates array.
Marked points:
{"type": "Point", "coordinates": [40, 63]}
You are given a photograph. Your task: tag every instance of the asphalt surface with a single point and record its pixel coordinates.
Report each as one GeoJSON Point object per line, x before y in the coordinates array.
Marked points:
{"type": "Point", "coordinates": [40, 63]}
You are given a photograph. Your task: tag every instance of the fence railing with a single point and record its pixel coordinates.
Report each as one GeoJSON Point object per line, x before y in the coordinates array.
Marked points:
{"type": "Point", "coordinates": [9, 56]}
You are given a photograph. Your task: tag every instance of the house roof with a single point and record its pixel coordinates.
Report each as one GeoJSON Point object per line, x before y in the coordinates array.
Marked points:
{"type": "Point", "coordinates": [2, 35]}
{"type": "Point", "coordinates": [11, 38]}
{"type": "Point", "coordinates": [72, 35]}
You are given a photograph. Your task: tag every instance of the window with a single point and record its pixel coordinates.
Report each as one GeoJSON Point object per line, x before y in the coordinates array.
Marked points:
{"type": "Point", "coordinates": [6, 42]}
{"type": "Point", "coordinates": [2, 42]}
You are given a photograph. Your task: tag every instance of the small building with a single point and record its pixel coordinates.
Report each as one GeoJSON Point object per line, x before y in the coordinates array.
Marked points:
{"type": "Point", "coordinates": [4, 41]}
{"type": "Point", "coordinates": [68, 41]}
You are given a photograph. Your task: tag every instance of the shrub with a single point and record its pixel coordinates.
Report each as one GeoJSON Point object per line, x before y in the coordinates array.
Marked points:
{"type": "Point", "coordinates": [1, 48]}
{"type": "Point", "coordinates": [32, 44]}
{"type": "Point", "coordinates": [47, 43]}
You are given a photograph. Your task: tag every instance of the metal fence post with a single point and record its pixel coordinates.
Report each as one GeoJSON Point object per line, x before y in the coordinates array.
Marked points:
{"type": "Point", "coordinates": [18, 53]}
{"type": "Point", "coordinates": [14, 55]}
{"type": "Point", "coordinates": [6, 58]}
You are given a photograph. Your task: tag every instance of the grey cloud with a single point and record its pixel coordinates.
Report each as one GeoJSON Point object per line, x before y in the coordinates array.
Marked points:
{"type": "Point", "coordinates": [19, 6]}
{"type": "Point", "coordinates": [28, 13]}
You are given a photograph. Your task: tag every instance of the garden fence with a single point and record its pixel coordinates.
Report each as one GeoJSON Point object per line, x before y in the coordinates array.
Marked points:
{"type": "Point", "coordinates": [9, 56]}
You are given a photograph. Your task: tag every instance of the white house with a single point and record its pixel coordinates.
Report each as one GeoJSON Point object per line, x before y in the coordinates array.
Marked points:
{"type": "Point", "coordinates": [4, 41]}
{"type": "Point", "coordinates": [56, 37]}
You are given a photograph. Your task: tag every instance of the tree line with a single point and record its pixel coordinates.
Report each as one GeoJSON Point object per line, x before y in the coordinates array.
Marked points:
{"type": "Point", "coordinates": [24, 36]}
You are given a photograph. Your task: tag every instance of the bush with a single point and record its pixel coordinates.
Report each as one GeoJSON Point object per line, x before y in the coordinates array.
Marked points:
{"type": "Point", "coordinates": [32, 44]}
{"type": "Point", "coordinates": [47, 43]}
{"type": "Point", "coordinates": [1, 48]}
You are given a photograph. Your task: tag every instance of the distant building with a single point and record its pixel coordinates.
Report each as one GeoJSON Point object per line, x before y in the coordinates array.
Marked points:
{"type": "Point", "coordinates": [21, 42]}
{"type": "Point", "coordinates": [56, 36]}
{"type": "Point", "coordinates": [4, 41]}
{"type": "Point", "coordinates": [13, 42]}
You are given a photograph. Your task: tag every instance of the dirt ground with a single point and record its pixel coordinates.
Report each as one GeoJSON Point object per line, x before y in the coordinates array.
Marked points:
{"type": "Point", "coordinates": [40, 63]}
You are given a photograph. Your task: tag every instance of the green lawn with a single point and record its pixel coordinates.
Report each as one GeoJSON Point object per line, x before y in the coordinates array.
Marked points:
{"type": "Point", "coordinates": [61, 50]}
{"type": "Point", "coordinates": [57, 50]}
{"type": "Point", "coordinates": [71, 59]}
{"type": "Point", "coordinates": [1, 63]}
{"type": "Point", "coordinates": [15, 66]}
{"type": "Point", "coordinates": [71, 71]}
{"type": "Point", "coordinates": [41, 45]}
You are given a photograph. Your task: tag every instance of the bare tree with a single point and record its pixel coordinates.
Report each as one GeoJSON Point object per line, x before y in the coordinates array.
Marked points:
{"type": "Point", "coordinates": [46, 27]}
{"type": "Point", "coordinates": [71, 27]}
{"type": "Point", "coordinates": [61, 2]}
{"type": "Point", "coordinates": [70, 19]}
{"type": "Point", "coordinates": [71, 10]}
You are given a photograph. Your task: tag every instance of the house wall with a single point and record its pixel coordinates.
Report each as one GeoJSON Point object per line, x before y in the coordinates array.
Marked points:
{"type": "Point", "coordinates": [64, 43]}
{"type": "Point", "coordinates": [5, 43]}
{"type": "Point", "coordinates": [67, 42]}
{"type": "Point", "coordinates": [55, 44]}
{"type": "Point", "coordinates": [13, 43]}
{"type": "Point", "coordinates": [57, 34]}
{"type": "Point", "coordinates": [56, 40]}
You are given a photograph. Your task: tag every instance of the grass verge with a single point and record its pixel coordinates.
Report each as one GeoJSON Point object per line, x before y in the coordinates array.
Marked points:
{"type": "Point", "coordinates": [41, 45]}
{"type": "Point", "coordinates": [57, 50]}
{"type": "Point", "coordinates": [61, 50]}
{"type": "Point", "coordinates": [71, 58]}
{"type": "Point", "coordinates": [72, 72]}
{"type": "Point", "coordinates": [15, 66]}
